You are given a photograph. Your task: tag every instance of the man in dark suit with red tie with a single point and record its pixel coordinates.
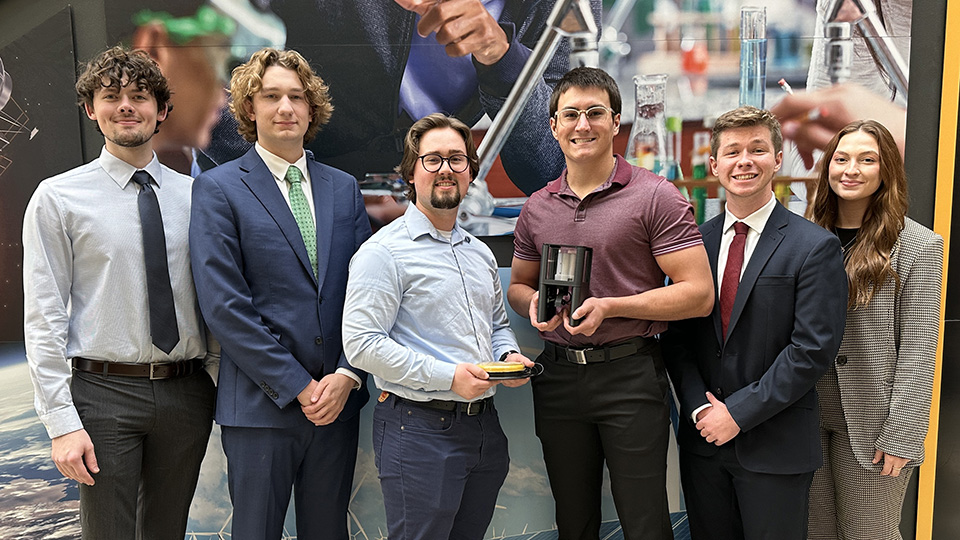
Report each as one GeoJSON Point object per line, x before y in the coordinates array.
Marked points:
{"type": "Point", "coordinates": [745, 374]}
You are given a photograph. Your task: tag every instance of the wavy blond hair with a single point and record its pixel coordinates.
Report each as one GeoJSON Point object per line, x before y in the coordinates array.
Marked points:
{"type": "Point", "coordinates": [868, 262]}
{"type": "Point", "coordinates": [247, 80]}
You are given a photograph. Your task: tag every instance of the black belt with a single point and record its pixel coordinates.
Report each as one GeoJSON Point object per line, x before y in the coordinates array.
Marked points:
{"type": "Point", "coordinates": [471, 408]}
{"type": "Point", "coordinates": [154, 371]}
{"type": "Point", "coordinates": [606, 353]}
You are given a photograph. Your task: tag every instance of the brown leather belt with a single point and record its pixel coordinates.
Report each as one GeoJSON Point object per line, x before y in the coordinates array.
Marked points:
{"type": "Point", "coordinates": [155, 371]}
{"type": "Point", "coordinates": [606, 353]}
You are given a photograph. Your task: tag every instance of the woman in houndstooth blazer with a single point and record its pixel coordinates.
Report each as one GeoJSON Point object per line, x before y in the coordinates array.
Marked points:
{"type": "Point", "coordinates": [875, 399]}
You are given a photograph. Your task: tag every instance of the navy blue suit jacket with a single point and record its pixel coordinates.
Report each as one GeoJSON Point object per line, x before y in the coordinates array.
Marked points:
{"type": "Point", "coordinates": [277, 325]}
{"type": "Point", "coordinates": [785, 329]}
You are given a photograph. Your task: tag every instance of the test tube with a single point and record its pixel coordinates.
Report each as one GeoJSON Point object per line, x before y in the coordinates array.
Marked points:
{"type": "Point", "coordinates": [753, 55]}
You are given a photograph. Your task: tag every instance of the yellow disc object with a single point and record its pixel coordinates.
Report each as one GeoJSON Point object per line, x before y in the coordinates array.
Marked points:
{"type": "Point", "coordinates": [502, 367]}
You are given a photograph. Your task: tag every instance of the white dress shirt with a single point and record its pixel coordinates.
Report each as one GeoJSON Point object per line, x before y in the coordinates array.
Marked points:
{"type": "Point", "coordinates": [84, 280]}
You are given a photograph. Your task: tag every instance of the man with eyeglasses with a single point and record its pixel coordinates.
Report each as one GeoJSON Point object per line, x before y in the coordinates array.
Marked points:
{"type": "Point", "coordinates": [602, 397]}
{"type": "Point", "coordinates": [424, 306]}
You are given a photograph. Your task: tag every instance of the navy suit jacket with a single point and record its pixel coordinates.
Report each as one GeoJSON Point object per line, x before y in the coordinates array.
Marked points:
{"type": "Point", "coordinates": [785, 329]}
{"type": "Point", "coordinates": [277, 325]}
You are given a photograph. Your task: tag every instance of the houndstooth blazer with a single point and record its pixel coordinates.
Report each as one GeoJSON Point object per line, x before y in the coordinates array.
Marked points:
{"type": "Point", "coordinates": [886, 361]}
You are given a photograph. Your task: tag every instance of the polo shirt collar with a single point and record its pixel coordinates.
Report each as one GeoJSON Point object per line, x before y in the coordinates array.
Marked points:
{"type": "Point", "coordinates": [620, 176]}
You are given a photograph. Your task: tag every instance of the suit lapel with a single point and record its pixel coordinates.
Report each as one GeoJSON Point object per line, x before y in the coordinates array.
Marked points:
{"type": "Point", "coordinates": [260, 181]}
{"type": "Point", "coordinates": [712, 232]}
{"type": "Point", "coordinates": [770, 238]}
{"type": "Point", "coordinates": [322, 185]}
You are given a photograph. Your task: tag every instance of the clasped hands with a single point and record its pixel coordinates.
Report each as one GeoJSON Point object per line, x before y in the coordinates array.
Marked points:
{"type": "Point", "coordinates": [321, 401]}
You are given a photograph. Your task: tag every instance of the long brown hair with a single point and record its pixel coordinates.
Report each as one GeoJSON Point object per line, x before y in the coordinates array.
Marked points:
{"type": "Point", "coordinates": [868, 262]}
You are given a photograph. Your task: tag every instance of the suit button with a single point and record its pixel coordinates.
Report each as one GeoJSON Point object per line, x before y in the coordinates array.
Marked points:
{"type": "Point", "coordinates": [842, 360]}
{"type": "Point", "coordinates": [318, 341]}
{"type": "Point", "coordinates": [719, 392]}
{"type": "Point", "coordinates": [319, 299]}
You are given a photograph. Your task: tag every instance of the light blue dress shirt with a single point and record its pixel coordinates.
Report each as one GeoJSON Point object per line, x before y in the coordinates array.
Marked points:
{"type": "Point", "coordinates": [418, 304]}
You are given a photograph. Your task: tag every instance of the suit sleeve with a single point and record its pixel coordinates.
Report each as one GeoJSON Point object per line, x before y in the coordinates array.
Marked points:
{"type": "Point", "coordinates": [903, 432]}
{"type": "Point", "coordinates": [679, 355]}
{"type": "Point", "coordinates": [227, 302]}
{"type": "Point", "coordinates": [820, 308]}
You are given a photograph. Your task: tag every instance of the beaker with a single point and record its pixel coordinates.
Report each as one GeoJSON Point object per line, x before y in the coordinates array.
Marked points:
{"type": "Point", "coordinates": [647, 147]}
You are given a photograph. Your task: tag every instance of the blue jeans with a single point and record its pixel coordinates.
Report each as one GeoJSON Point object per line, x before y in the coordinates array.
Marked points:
{"type": "Point", "coordinates": [440, 472]}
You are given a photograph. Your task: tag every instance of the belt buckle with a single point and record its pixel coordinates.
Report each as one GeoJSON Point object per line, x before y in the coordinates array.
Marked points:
{"type": "Point", "coordinates": [474, 408]}
{"type": "Point", "coordinates": [153, 375]}
{"type": "Point", "coordinates": [579, 355]}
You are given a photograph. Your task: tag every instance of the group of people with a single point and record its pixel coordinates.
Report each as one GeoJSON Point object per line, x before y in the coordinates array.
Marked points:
{"type": "Point", "coordinates": [256, 294]}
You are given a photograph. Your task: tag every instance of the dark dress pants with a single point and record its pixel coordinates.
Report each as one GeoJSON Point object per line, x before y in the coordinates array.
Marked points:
{"type": "Point", "coordinates": [727, 502]}
{"type": "Point", "coordinates": [317, 462]}
{"type": "Point", "coordinates": [440, 472]}
{"type": "Point", "coordinates": [614, 412]}
{"type": "Point", "coordinates": [149, 438]}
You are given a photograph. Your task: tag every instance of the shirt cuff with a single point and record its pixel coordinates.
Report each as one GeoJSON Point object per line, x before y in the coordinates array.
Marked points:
{"type": "Point", "coordinates": [693, 415]}
{"type": "Point", "coordinates": [62, 421]}
{"type": "Point", "coordinates": [357, 382]}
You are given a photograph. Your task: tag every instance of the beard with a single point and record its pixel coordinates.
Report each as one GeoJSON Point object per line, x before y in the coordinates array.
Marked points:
{"type": "Point", "coordinates": [130, 140]}
{"type": "Point", "coordinates": [445, 201]}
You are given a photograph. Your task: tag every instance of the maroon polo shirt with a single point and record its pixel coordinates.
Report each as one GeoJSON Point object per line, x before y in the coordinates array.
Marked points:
{"type": "Point", "coordinates": [628, 221]}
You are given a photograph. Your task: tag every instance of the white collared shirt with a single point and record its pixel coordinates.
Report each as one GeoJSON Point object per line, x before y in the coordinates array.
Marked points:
{"type": "Point", "coordinates": [756, 222]}
{"type": "Point", "coordinates": [278, 168]}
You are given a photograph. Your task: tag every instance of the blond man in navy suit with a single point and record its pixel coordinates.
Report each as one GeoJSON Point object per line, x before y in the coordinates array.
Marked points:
{"type": "Point", "coordinates": [271, 235]}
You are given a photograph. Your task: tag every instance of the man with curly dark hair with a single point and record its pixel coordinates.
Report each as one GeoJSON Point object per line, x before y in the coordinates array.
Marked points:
{"type": "Point", "coordinates": [114, 339]}
{"type": "Point", "coordinates": [272, 234]}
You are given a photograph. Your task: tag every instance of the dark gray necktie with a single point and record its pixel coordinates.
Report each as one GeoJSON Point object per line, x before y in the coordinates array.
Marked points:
{"type": "Point", "coordinates": [163, 316]}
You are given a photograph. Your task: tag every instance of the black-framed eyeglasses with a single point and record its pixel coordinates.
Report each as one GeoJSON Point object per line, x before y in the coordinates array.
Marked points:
{"type": "Point", "coordinates": [433, 162]}
{"type": "Point", "coordinates": [569, 117]}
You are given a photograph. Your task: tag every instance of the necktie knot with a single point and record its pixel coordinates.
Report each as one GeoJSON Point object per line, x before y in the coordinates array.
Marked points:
{"type": "Point", "coordinates": [294, 176]}
{"type": "Point", "coordinates": [740, 228]}
{"type": "Point", "coordinates": [142, 177]}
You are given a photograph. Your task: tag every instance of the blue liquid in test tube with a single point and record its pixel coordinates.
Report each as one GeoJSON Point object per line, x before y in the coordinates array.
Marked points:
{"type": "Point", "coordinates": [753, 56]}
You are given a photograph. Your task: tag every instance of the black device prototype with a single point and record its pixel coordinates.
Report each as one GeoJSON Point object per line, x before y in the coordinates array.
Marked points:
{"type": "Point", "coordinates": [564, 279]}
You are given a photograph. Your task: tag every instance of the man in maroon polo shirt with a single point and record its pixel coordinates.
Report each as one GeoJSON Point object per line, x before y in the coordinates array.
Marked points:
{"type": "Point", "coordinates": [603, 394]}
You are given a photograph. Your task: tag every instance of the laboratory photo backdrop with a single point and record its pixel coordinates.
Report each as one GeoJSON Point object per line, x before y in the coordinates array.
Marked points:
{"type": "Point", "coordinates": [382, 76]}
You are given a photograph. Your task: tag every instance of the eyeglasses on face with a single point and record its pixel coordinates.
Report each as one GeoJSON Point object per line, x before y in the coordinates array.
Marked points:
{"type": "Point", "coordinates": [570, 116]}
{"type": "Point", "coordinates": [433, 162]}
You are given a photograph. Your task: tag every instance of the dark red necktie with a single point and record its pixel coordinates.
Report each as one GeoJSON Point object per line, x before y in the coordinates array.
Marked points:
{"type": "Point", "coordinates": [731, 274]}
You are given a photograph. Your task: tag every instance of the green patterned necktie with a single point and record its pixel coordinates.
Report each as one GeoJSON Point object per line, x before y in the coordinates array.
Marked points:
{"type": "Point", "coordinates": [301, 212]}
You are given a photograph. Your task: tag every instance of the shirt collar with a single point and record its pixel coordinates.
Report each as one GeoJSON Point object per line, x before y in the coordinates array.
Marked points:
{"type": "Point", "coordinates": [620, 176]}
{"type": "Point", "coordinates": [278, 166]}
{"type": "Point", "coordinates": [756, 221]}
{"type": "Point", "coordinates": [121, 171]}
{"type": "Point", "coordinates": [418, 224]}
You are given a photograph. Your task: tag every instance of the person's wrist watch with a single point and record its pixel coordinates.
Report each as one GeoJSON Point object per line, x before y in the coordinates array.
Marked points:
{"type": "Point", "coordinates": [503, 357]}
